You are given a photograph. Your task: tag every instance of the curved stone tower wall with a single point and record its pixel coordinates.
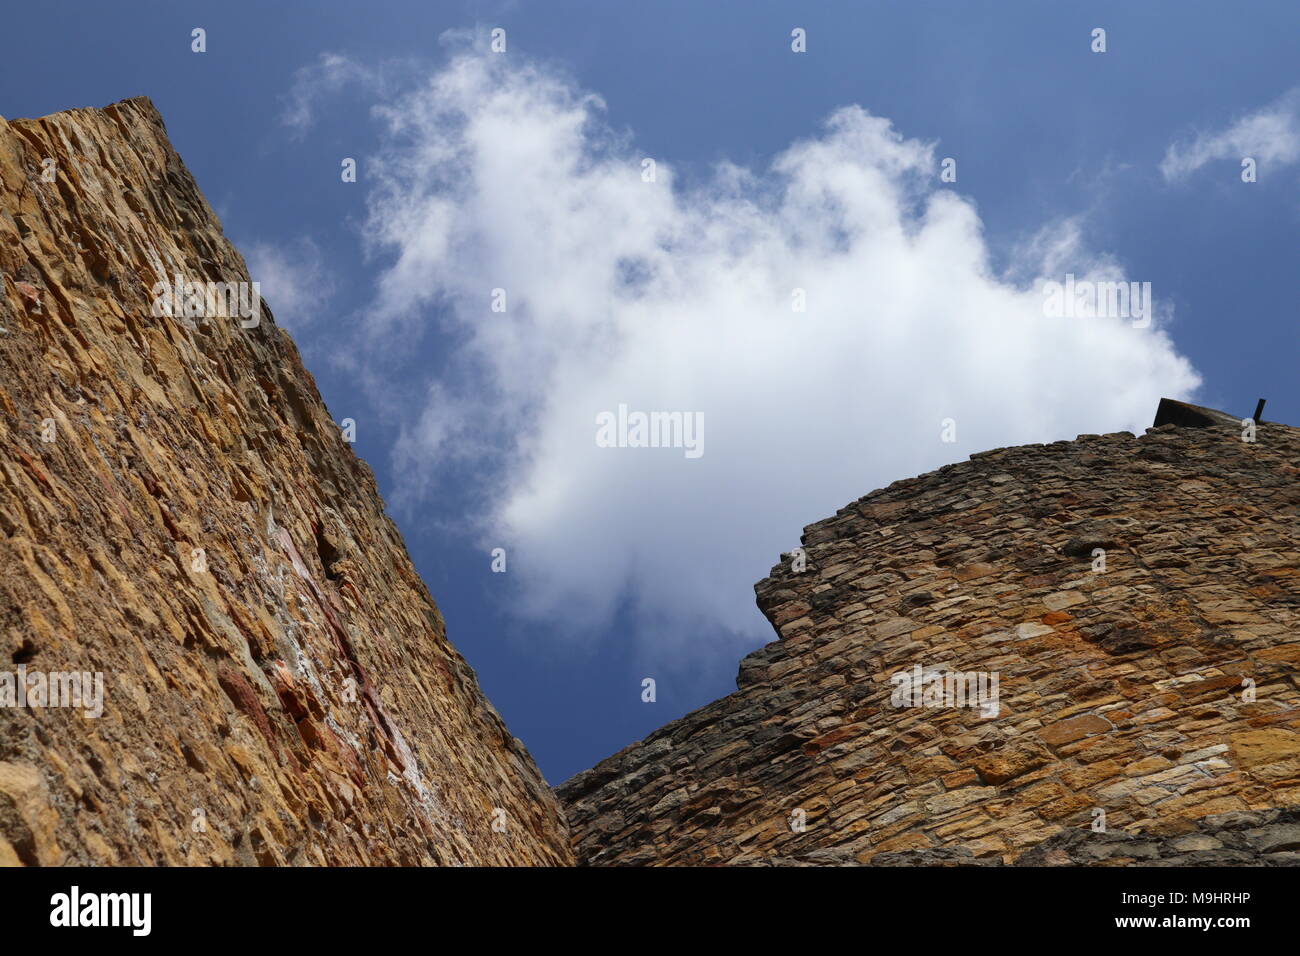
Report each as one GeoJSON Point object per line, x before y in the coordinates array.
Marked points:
{"type": "Point", "coordinates": [1158, 691]}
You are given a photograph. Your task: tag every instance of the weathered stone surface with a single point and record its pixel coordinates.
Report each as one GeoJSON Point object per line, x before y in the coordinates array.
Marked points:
{"type": "Point", "coordinates": [1074, 728]}
{"type": "Point", "coordinates": [27, 822]}
{"type": "Point", "coordinates": [291, 697]}
{"type": "Point", "coordinates": [1162, 690]}
{"type": "Point", "coordinates": [1219, 840]}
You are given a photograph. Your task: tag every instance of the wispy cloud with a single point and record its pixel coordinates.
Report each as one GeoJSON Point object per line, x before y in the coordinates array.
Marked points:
{"type": "Point", "coordinates": [1270, 136]}
{"type": "Point", "coordinates": [498, 173]}
{"type": "Point", "coordinates": [326, 78]}
{"type": "Point", "coordinates": [293, 279]}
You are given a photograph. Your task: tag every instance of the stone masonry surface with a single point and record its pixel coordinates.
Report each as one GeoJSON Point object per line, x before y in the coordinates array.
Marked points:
{"type": "Point", "coordinates": [179, 512]}
{"type": "Point", "coordinates": [296, 701]}
{"type": "Point", "coordinates": [1161, 691]}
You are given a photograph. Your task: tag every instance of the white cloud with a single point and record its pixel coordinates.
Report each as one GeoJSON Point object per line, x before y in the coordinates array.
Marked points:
{"type": "Point", "coordinates": [502, 174]}
{"type": "Point", "coordinates": [293, 279]}
{"type": "Point", "coordinates": [329, 75]}
{"type": "Point", "coordinates": [1270, 136]}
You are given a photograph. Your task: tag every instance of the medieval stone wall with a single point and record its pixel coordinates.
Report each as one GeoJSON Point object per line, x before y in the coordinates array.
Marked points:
{"type": "Point", "coordinates": [1147, 694]}
{"type": "Point", "coordinates": [179, 513]}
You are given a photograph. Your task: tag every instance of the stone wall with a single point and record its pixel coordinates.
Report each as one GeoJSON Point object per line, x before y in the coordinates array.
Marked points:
{"type": "Point", "coordinates": [1158, 691]}
{"type": "Point", "coordinates": [179, 513]}
{"type": "Point", "coordinates": [278, 686]}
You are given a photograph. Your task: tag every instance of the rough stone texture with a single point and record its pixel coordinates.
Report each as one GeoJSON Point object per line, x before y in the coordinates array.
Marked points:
{"type": "Point", "coordinates": [1121, 690]}
{"type": "Point", "coordinates": [1237, 838]}
{"type": "Point", "coordinates": [228, 690]}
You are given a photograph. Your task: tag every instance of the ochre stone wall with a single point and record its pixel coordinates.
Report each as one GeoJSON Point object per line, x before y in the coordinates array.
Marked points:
{"type": "Point", "coordinates": [288, 695]}
{"type": "Point", "coordinates": [1121, 691]}
{"type": "Point", "coordinates": [294, 701]}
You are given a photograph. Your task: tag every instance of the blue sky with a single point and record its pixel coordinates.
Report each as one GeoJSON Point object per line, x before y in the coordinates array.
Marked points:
{"type": "Point", "coordinates": [633, 563]}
